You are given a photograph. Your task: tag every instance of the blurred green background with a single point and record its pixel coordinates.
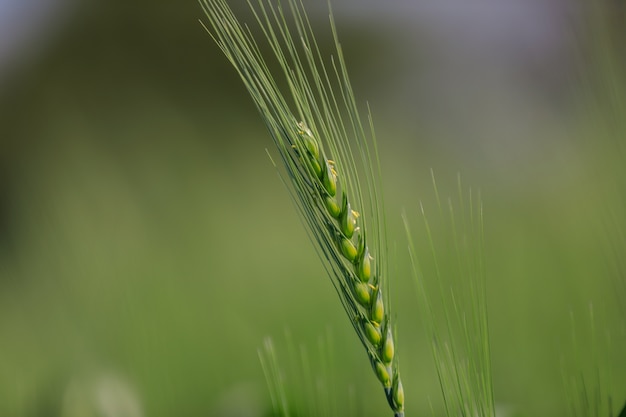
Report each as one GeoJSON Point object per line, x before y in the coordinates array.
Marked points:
{"type": "Point", "coordinates": [147, 244]}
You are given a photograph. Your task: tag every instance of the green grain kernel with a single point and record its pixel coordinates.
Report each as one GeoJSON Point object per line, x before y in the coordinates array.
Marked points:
{"type": "Point", "coordinates": [311, 145]}
{"type": "Point", "coordinates": [398, 393]}
{"type": "Point", "coordinates": [329, 180]}
{"type": "Point", "coordinates": [372, 333]}
{"type": "Point", "coordinates": [348, 221]}
{"type": "Point", "coordinates": [364, 271]}
{"type": "Point", "coordinates": [315, 166]}
{"type": "Point", "coordinates": [378, 308]}
{"type": "Point", "coordinates": [362, 293]}
{"type": "Point", "coordinates": [388, 349]}
{"type": "Point", "coordinates": [331, 205]}
{"type": "Point", "coordinates": [382, 374]}
{"type": "Point", "coordinates": [348, 249]}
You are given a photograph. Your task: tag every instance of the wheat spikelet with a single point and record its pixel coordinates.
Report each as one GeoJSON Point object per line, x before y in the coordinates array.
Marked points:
{"type": "Point", "coordinates": [330, 162]}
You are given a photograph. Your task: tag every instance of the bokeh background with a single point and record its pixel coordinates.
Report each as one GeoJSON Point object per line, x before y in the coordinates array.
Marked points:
{"type": "Point", "coordinates": [147, 244]}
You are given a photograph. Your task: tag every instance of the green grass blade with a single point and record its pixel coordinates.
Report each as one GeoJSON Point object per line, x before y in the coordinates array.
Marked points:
{"type": "Point", "coordinates": [450, 277]}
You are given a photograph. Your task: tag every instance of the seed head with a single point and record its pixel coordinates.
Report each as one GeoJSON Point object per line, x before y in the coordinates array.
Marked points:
{"type": "Point", "coordinates": [314, 180]}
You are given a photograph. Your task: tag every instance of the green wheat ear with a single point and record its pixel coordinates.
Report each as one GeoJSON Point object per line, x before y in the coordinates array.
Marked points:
{"type": "Point", "coordinates": [331, 163]}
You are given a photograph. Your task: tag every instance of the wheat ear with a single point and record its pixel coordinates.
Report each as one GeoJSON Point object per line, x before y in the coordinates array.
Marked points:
{"type": "Point", "coordinates": [359, 289]}
{"type": "Point", "coordinates": [317, 125]}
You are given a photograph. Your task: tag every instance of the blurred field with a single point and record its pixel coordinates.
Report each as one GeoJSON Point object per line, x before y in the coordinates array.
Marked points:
{"type": "Point", "coordinates": [147, 244]}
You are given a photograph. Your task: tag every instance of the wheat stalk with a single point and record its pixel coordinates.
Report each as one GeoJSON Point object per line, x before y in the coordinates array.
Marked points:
{"type": "Point", "coordinates": [327, 190]}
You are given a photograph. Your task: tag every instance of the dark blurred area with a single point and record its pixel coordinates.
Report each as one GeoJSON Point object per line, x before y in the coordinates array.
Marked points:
{"type": "Point", "coordinates": [147, 245]}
